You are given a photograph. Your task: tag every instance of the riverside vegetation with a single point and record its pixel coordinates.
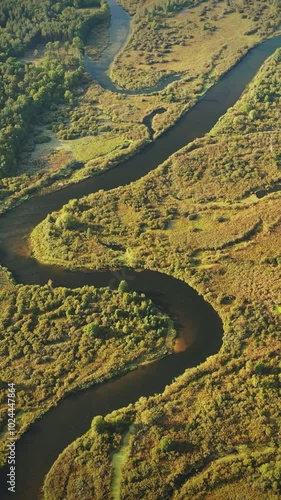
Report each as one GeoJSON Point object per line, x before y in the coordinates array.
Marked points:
{"type": "Point", "coordinates": [201, 39]}
{"type": "Point", "coordinates": [56, 340]}
{"type": "Point", "coordinates": [30, 86]}
{"type": "Point", "coordinates": [214, 432]}
{"type": "Point", "coordinates": [194, 218]}
{"type": "Point", "coordinates": [63, 132]}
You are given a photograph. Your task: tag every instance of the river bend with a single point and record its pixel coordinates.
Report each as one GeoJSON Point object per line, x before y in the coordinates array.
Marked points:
{"type": "Point", "coordinates": [196, 320]}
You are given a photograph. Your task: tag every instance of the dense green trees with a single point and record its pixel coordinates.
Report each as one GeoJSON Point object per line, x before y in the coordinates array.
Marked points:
{"type": "Point", "coordinates": [26, 89]}
{"type": "Point", "coordinates": [22, 23]}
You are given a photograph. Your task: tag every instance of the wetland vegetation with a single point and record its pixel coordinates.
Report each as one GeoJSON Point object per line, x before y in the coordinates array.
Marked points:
{"type": "Point", "coordinates": [196, 217]}
{"type": "Point", "coordinates": [55, 340]}
{"type": "Point", "coordinates": [89, 128]}
{"type": "Point", "coordinates": [214, 432]}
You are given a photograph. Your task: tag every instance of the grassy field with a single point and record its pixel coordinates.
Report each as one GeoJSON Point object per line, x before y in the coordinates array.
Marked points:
{"type": "Point", "coordinates": [197, 218]}
{"type": "Point", "coordinates": [90, 148]}
{"type": "Point", "coordinates": [201, 40]}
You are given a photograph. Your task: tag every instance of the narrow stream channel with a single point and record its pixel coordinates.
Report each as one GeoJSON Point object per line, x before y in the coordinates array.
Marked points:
{"type": "Point", "coordinates": [118, 34]}
{"type": "Point", "coordinates": [196, 320]}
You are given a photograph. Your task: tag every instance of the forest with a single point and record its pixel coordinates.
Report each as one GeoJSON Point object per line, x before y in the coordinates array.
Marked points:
{"type": "Point", "coordinates": [26, 89]}
{"type": "Point", "coordinates": [23, 23]}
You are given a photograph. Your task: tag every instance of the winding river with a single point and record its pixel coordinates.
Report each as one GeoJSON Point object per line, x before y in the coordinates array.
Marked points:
{"type": "Point", "coordinates": [199, 325]}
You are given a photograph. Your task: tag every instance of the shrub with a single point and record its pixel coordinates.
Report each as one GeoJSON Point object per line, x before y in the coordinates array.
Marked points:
{"type": "Point", "coordinates": [93, 329]}
{"type": "Point", "coordinates": [98, 424]}
{"type": "Point", "coordinates": [41, 139]}
{"type": "Point", "coordinates": [123, 286]}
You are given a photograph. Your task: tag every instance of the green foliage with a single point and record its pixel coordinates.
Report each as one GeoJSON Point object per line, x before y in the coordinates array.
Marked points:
{"type": "Point", "coordinates": [123, 286]}
{"type": "Point", "coordinates": [27, 89]}
{"type": "Point", "coordinates": [42, 139]}
{"type": "Point", "coordinates": [94, 329]}
{"type": "Point", "coordinates": [165, 444]}
{"type": "Point", "coordinates": [198, 219]}
{"type": "Point", "coordinates": [270, 476]}
{"type": "Point", "coordinates": [258, 109]}
{"type": "Point", "coordinates": [66, 221]}
{"type": "Point", "coordinates": [56, 340]}
{"type": "Point", "coordinates": [167, 33]}
{"type": "Point", "coordinates": [219, 422]}
{"type": "Point", "coordinates": [22, 23]}
{"type": "Point", "coordinates": [98, 424]}
{"type": "Point", "coordinates": [260, 368]}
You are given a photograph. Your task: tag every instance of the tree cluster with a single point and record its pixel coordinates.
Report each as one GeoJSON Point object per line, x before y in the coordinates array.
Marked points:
{"type": "Point", "coordinates": [27, 89]}
{"type": "Point", "coordinates": [23, 23]}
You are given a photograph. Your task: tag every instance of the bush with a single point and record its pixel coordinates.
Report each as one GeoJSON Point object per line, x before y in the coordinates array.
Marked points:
{"type": "Point", "coordinates": [41, 139]}
{"type": "Point", "coordinates": [98, 424]}
{"type": "Point", "coordinates": [123, 286]}
{"type": "Point", "coordinates": [165, 444]}
{"type": "Point", "coordinates": [93, 329]}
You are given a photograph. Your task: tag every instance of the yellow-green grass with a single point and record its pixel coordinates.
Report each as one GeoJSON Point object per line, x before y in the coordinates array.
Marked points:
{"type": "Point", "coordinates": [201, 436]}
{"type": "Point", "coordinates": [88, 148]}
{"type": "Point", "coordinates": [203, 39]}
{"type": "Point", "coordinates": [240, 489]}
{"type": "Point", "coordinates": [118, 461]}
